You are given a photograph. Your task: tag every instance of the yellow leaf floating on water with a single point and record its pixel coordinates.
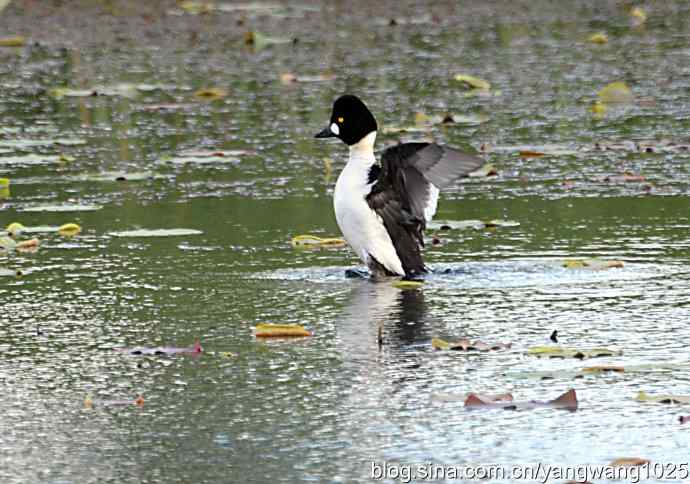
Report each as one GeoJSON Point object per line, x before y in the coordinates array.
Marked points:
{"type": "Point", "coordinates": [14, 41]}
{"type": "Point", "coordinates": [592, 264]}
{"type": "Point", "coordinates": [4, 188]}
{"type": "Point", "coordinates": [598, 38]}
{"type": "Point", "coordinates": [196, 8]}
{"type": "Point", "coordinates": [316, 241]}
{"type": "Point", "coordinates": [4, 182]}
{"type": "Point", "coordinates": [269, 330]}
{"type": "Point", "coordinates": [644, 397]}
{"type": "Point", "coordinates": [88, 401]}
{"type": "Point", "coordinates": [69, 230]}
{"type": "Point", "coordinates": [560, 352]}
{"type": "Point", "coordinates": [440, 344]}
{"type": "Point", "coordinates": [472, 82]}
{"type": "Point", "coordinates": [598, 109]}
{"type": "Point", "coordinates": [14, 229]}
{"type": "Point", "coordinates": [638, 15]}
{"type": "Point", "coordinates": [403, 284]}
{"type": "Point", "coordinates": [211, 93]}
{"type": "Point", "coordinates": [616, 93]}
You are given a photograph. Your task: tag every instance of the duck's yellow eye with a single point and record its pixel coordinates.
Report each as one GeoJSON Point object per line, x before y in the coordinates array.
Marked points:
{"type": "Point", "coordinates": [341, 119]}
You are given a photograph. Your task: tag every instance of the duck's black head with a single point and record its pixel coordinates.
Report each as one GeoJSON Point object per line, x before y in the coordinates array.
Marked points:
{"type": "Point", "coordinates": [351, 120]}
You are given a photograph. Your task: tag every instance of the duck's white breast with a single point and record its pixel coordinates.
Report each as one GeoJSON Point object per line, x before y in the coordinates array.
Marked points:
{"type": "Point", "coordinates": [361, 226]}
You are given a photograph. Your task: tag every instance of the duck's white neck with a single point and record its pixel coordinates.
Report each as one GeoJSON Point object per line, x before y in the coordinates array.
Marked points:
{"type": "Point", "coordinates": [363, 151]}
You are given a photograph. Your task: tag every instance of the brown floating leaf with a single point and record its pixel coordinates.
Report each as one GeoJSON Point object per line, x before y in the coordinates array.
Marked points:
{"type": "Point", "coordinates": [628, 461]}
{"type": "Point", "coordinates": [211, 93]}
{"type": "Point", "coordinates": [466, 345]}
{"type": "Point", "coordinates": [268, 330]}
{"type": "Point", "coordinates": [484, 399]}
{"type": "Point", "coordinates": [30, 245]}
{"type": "Point", "coordinates": [568, 400]}
{"type": "Point", "coordinates": [603, 369]}
{"type": "Point", "coordinates": [531, 153]}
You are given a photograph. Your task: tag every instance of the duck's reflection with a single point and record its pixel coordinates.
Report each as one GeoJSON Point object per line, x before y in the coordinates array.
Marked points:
{"type": "Point", "coordinates": [379, 309]}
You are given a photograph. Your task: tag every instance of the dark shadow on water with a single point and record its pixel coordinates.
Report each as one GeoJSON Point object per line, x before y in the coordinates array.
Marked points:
{"type": "Point", "coordinates": [401, 314]}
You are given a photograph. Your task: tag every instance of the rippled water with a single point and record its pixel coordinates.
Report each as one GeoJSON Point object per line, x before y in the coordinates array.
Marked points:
{"type": "Point", "coordinates": [323, 408]}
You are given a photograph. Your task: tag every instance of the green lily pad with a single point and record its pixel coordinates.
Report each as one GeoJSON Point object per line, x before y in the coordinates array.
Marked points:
{"type": "Point", "coordinates": [156, 233]}
{"type": "Point", "coordinates": [67, 207]}
{"type": "Point", "coordinates": [560, 352]}
{"type": "Point", "coordinates": [7, 243]}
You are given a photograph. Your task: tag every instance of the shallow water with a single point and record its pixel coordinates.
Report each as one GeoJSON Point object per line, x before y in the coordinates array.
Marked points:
{"type": "Point", "coordinates": [323, 408]}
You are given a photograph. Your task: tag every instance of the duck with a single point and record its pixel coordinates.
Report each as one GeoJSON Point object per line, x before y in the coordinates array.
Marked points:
{"type": "Point", "coordinates": [382, 209]}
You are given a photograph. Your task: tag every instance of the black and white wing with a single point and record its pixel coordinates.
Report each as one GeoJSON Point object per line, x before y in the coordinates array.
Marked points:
{"type": "Point", "coordinates": [406, 192]}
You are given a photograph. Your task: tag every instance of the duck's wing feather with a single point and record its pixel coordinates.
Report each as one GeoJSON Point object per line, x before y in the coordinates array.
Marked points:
{"type": "Point", "coordinates": [406, 191]}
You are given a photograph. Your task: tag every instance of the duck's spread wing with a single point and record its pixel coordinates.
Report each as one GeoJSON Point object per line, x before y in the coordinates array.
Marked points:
{"type": "Point", "coordinates": [406, 192]}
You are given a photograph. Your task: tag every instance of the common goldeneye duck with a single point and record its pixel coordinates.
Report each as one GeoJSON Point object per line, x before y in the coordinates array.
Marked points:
{"type": "Point", "coordinates": [382, 210]}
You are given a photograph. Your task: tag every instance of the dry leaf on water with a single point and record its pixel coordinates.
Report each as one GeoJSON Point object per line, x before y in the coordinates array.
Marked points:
{"type": "Point", "coordinates": [313, 241]}
{"type": "Point", "coordinates": [561, 352]}
{"type": "Point", "coordinates": [269, 330]}
{"type": "Point", "coordinates": [668, 399]}
{"type": "Point", "coordinates": [568, 400]}
{"type": "Point", "coordinates": [195, 349]}
{"type": "Point", "coordinates": [467, 345]}
{"type": "Point", "coordinates": [598, 38]}
{"type": "Point", "coordinates": [615, 93]}
{"type": "Point", "coordinates": [628, 461]}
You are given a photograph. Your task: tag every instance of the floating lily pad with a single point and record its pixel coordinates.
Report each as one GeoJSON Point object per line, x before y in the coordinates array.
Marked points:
{"type": "Point", "coordinates": [156, 233]}
{"type": "Point", "coordinates": [560, 352]}
{"type": "Point", "coordinates": [680, 399]}
{"type": "Point", "coordinates": [312, 241]}
{"type": "Point", "coordinates": [67, 207]}
{"type": "Point", "coordinates": [268, 330]}
{"type": "Point", "coordinates": [7, 243]}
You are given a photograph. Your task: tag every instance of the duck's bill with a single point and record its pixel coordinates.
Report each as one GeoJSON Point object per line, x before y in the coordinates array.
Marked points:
{"type": "Point", "coordinates": [325, 133]}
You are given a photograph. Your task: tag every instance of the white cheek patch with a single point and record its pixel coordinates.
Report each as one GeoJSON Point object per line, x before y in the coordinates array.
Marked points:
{"type": "Point", "coordinates": [335, 129]}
